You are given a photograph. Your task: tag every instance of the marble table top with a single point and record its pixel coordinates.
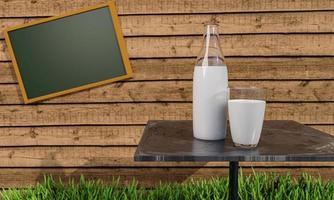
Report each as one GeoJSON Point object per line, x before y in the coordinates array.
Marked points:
{"type": "Point", "coordinates": [281, 140]}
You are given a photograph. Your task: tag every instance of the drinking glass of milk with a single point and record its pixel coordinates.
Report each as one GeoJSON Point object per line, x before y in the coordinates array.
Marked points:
{"type": "Point", "coordinates": [246, 109]}
{"type": "Point", "coordinates": [210, 89]}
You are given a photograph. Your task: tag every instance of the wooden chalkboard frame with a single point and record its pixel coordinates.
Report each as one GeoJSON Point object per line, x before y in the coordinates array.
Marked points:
{"type": "Point", "coordinates": [121, 44]}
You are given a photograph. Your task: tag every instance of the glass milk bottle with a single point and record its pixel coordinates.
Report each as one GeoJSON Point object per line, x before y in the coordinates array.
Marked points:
{"type": "Point", "coordinates": [210, 89]}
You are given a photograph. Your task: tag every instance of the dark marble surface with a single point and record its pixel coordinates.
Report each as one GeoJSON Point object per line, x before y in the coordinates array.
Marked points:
{"type": "Point", "coordinates": [280, 141]}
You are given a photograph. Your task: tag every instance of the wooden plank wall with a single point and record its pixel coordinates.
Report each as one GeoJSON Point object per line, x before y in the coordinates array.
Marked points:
{"type": "Point", "coordinates": [286, 46]}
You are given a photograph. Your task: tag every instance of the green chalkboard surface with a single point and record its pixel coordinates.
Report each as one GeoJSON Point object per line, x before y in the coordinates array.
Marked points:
{"type": "Point", "coordinates": [69, 53]}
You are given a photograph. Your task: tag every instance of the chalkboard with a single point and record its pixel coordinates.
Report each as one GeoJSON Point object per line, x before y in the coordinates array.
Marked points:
{"type": "Point", "coordinates": [68, 53]}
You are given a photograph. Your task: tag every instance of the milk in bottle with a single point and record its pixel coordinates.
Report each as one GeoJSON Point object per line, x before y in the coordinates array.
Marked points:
{"type": "Point", "coordinates": [210, 89]}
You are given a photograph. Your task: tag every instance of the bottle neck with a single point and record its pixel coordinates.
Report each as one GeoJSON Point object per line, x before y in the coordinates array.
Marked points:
{"type": "Point", "coordinates": [211, 53]}
{"type": "Point", "coordinates": [211, 43]}
{"type": "Point", "coordinates": [211, 29]}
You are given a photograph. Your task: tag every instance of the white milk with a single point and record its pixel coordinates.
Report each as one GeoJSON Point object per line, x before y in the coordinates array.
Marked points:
{"type": "Point", "coordinates": [246, 120]}
{"type": "Point", "coordinates": [210, 97]}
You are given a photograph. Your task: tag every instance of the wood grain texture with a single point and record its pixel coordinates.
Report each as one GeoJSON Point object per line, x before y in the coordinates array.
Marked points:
{"type": "Point", "coordinates": [232, 45]}
{"type": "Point", "coordinates": [140, 113]}
{"type": "Point", "coordinates": [95, 156]}
{"type": "Point", "coordinates": [83, 135]}
{"type": "Point", "coordinates": [240, 23]}
{"type": "Point", "coordinates": [245, 68]}
{"type": "Point", "coordinates": [192, 24]}
{"type": "Point", "coordinates": [19, 8]}
{"type": "Point", "coordinates": [70, 135]}
{"type": "Point", "coordinates": [146, 177]}
{"type": "Point", "coordinates": [180, 91]}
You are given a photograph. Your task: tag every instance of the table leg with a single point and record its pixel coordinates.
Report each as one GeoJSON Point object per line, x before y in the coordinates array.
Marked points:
{"type": "Point", "coordinates": [233, 178]}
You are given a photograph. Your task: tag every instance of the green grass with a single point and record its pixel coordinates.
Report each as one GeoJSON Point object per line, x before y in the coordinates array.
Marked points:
{"type": "Point", "coordinates": [255, 186]}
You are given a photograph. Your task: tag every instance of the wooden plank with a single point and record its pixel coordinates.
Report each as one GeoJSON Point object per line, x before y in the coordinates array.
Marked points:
{"type": "Point", "coordinates": [248, 68]}
{"type": "Point", "coordinates": [325, 128]}
{"type": "Point", "coordinates": [283, 22]}
{"type": "Point", "coordinates": [95, 156]}
{"type": "Point", "coordinates": [7, 74]}
{"type": "Point", "coordinates": [18, 8]}
{"type": "Point", "coordinates": [146, 177]}
{"type": "Point", "coordinates": [232, 45]}
{"type": "Point", "coordinates": [140, 113]}
{"type": "Point", "coordinates": [286, 22]}
{"type": "Point", "coordinates": [172, 91]}
{"type": "Point", "coordinates": [70, 135]}
{"type": "Point", "coordinates": [83, 135]}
